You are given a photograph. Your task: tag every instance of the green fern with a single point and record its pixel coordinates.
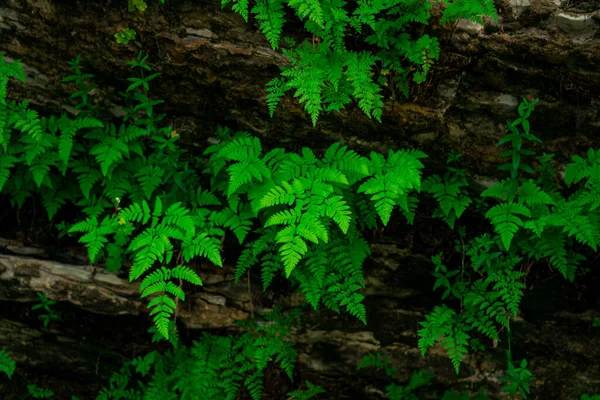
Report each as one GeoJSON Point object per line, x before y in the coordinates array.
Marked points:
{"type": "Point", "coordinates": [7, 364]}
{"type": "Point", "coordinates": [325, 75]}
{"type": "Point", "coordinates": [506, 220]}
{"type": "Point", "coordinates": [39, 392]}
{"type": "Point", "coordinates": [452, 198]}
{"type": "Point", "coordinates": [110, 151]}
{"type": "Point", "coordinates": [378, 361]}
{"type": "Point", "coordinates": [469, 9]}
{"type": "Point", "coordinates": [213, 367]}
{"type": "Point", "coordinates": [271, 15]}
{"type": "Point", "coordinates": [95, 234]}
{"type": "Point", "coordinates": [393, 178]}
{"type": "Point", "coordinates": [310, 392]}
{"type": "Point", "coordinates": [154, 245]}
{"type": "Point", "coordinates": [7, 71]}
{"type": "Point", "coordinates": [441, 325]}
{"type": "Point", "coordinates": [297, 202]}
{"type": "Point", "coordinates": [418, 379]}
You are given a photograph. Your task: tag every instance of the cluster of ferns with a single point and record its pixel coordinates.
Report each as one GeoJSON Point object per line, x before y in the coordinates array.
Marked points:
{"type": "Point", "coordinates": [142, 202]}
{"type": "Point", "coordinates": [352, 51]}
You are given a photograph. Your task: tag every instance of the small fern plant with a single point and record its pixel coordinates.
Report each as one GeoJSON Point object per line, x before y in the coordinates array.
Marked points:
{"type": "Point", "coordinates": [214, 367]}
{"type": "Point", "coordinates": [46, 304]}
{"type": "Point", "coordinates": [352, 51]}
{"type": "Point", "coordinates": [37, 392]}
{"type": "Point", "coordinates": [517, 378]}
{"type": "Point", "coordinates": [7, 364]}
{"type": "Point", "coordinates": [531, 221]}
{"type": "Point", "coordinates": [420, 378]}
{"type": "Point", "coordinates": [325, 72]}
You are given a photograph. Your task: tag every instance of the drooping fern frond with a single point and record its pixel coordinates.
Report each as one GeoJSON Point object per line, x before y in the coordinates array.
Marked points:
{"type": "Point", "coordinates": [442, 325]}
{"type": "Point", "coordinates": [310, 392]}
{"type": "Point", "coordinates": [110, 151]}
{"type": "Point", "coordinates": [275, 90]}
{"type": "Point", "coordinates": [306, 76]}
{"type": "Point", "coordinates": [96, 233]}
{"type": "Point", "coordinates": [345, 277]}
{"type": "Point", "coordinates": [392, 178]}
{"type": "Point", "coordinates": [7, 161]}
{"type": "Point", "coordinates": [378, 361]}
{"type": "Point", "coordinates": [237, 217]}
{"type": "Point", "coordinates": [576, 222]}
{"type": "Point", "coordinates": [7, 71]}
{"type": "Point", "coordinates": [68, 130]}
{"type": "Point", "coordinates": [154, 245]}
{"type": "Point", "coordinates": [365, 91]}
{"type": "Point", "coordinates": [271, 15]}
{"type": "Point", "coordinates": [452, 198]}
{"type": "Point", "coordinates": [7, 364]}
{"type": "Point", "coordinates": [506, 220]}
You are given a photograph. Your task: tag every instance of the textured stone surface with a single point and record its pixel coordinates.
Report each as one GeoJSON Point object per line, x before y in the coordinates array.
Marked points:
{"type": "Point", "coordinates": [215, 67]}
{"type": "Point", "coordinates": [90, 288]}
{"type": "Point", "coordinates": [560, 345]}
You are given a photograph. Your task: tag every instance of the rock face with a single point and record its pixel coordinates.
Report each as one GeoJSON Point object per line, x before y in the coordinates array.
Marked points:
{"type": "Point", "coordinates": [215, 66]}
{"type": "Point", "coordinates": [214, 69]}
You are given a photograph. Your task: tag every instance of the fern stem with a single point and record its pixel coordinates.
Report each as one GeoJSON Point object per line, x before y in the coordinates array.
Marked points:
{"type": "Point", "coordinates": [250, 297]}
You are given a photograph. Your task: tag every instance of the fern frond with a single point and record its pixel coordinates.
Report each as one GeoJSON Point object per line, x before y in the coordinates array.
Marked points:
{"type": "Point", "coordinates": [506, 221]}
{"type": "Point", "coordinates": [310, 392]}
{"type": "Point", "coordinates": [87, 176]}
{"type": "Point", "coordinates": [150, 178]}
{"type": "Point", "coordinates": [456, 344]}
{"type": "Point", "coordinates": [396, 177]}
{"type": "Point", "coordinates": [7, 161]}
{"type": "Point", "coordinates": [293, 247]}
{"type": "Point", "coordinates": [366, 92]}
{"type": "Point", "coordinates": [243, 172]}
{"type": "Point", "coordinates": [204, 246]}
{"type": "Point", "coordinates": [271, 15]}
{"type": "Point", "coordinates": [137, 213]}
{"type": "Point", "coordinates": [336, 208]}
{"type": "Point", "coordinates": [437, 324]}
{"type": "Point", "coordinates": [187, 274]}
{"type": "Point", "coordinates": [275, 91]}
{"type": "Point", "coordinates": [531, 194]}
{"type": "Point", "coordinates": [271, 264]}
{"type": "Point", "coordinates": [310, 9]}
{"type": "Point", "coordinates": [7, 364]}
{"type": "Point", "coordinates": [346, 161]}
{"type": "Point", "coordinates": [285, 217]}
{"type": "Point", "coordinates": [109, 152]}
{"type": "Point", "coordinates": [283, 194]}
